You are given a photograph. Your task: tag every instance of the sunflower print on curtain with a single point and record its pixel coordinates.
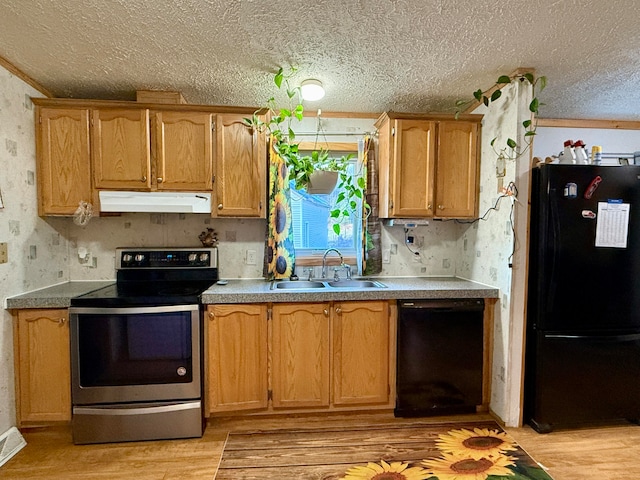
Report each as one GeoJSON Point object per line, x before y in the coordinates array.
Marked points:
{"type": "Point", "coordinates": [280, 255]}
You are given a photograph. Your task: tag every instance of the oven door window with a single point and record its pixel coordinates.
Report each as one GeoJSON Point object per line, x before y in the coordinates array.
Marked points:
{"type": "Point", "coordinates": [135, 349]}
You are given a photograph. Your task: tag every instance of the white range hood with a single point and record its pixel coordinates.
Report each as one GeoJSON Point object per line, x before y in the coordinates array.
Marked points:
{"type": "Point", "coordinates": [158, 202]}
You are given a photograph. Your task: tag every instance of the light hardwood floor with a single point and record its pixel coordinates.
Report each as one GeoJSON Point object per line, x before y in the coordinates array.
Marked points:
{"type": "Point", "coordinates": [607, 453]}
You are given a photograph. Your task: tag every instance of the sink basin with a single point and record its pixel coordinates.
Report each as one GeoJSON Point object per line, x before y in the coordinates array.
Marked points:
{"type": "Point", "coordinates": [356, 284]}
{"type": "Point", "coordinates": [297, 285]}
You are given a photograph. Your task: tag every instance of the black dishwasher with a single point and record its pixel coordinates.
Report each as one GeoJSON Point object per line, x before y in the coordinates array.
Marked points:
{"type": "Point", "coordinates": [440, 357]}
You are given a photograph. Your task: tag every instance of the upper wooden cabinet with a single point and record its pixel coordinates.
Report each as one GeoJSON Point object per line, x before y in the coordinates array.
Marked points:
{"type": "Point", "coordinates": [121, 149]}
{"type": "Point", "coordinates": [241, 169]}
{"type": "Point", "coordinates": [124, 158]}
{"type": "Point", "coordinates": [89, 145]}
{"type": "Point", "coordinates": [428, 165]}
{"type": "Point", "coordinates": [63, 159]}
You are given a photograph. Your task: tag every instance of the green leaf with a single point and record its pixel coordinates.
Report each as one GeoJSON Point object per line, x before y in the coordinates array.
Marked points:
{"type": "Point", "coordinates": [526, 123]}
{"type": "Point", "coordinates": [336, 228]}
{"type": "Point", "coordinates": [543, 83]}
{"type": "Point", "coordinates": [511, 143]}
{"type": "Point", "coordinates": [493, 141]}
{"type": "Point", "coordinates": [341, 197]}
{"type": "Point", "coordinates": [485, 100]}
{"type": "Point", "coordinates": [278, 78]}
{"type": "Point", "coordinates": [496, 95]}
{"type": "Point", "coordinates": [460, 103]}
{"type": "Point", "coordinates": [478, 94]}
{"type": "Point", "coordinates": [335, 213]}
{"type": "Point", "coordinates": [503, 79]}
{"type": "Point", "coordinates": [533, 106]}
{"type": "Point", "coordinates": [529, 76]}
{"type": "Point", "coordinates": [285, 113]}
{"type": "Point", "coordinates": [362, 182]}
{"type": "Point", "coordinates": [457, 115]}
{"type": "Point", "coordinates": [530, 133]}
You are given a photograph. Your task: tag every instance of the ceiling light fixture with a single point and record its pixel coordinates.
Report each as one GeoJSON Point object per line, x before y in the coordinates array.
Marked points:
{"type": "Point", "coordinates": [311, 90]}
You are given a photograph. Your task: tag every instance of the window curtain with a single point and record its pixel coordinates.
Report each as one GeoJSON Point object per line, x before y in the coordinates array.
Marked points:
{"type": "Point", "coordinates": [280, 256]}
{"type": "Point", "coordinates": [371, 230]}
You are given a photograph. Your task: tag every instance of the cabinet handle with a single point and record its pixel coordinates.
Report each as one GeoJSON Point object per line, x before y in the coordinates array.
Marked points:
{"type": "Point", "coordinates": [440, 207]}
{"type": "Point", "coordinates": [211, 315]}
{"type": "Point", "coordinates": [326, 312]}
{"type": "Point", "coordinates": [338, 310]}
{"type": "Point", "coordinates": [220, 206]}
{"type": "Point", "coordinates": [59, 321]}
{"type": "Point", "coordinates": [159, 179]}
{"type": "Point", "coordinates": [429, 207]}
{"type": "Point", "coordinates": [144, 178]}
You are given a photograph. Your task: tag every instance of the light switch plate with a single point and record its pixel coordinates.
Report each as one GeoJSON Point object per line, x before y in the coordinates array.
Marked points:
{"type": "Point", "coordinates": [4, 257]}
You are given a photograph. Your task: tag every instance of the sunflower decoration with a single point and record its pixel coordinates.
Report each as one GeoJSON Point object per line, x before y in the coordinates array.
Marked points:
{"type": "Point", "coordinates": [283, 263]}
{"type": "Point", "coordinates": [456, 467]}
{"type": "Point", "coordinates": [279, 220]}
{"type": "Point", "coordinates": [386, 471]}
{"type": "Point", "coordinates": [477, 444]}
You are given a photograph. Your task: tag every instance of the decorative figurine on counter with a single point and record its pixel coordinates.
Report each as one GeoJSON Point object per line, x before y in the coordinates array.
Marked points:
{"type": "Point", "coordinates": [209, 238]}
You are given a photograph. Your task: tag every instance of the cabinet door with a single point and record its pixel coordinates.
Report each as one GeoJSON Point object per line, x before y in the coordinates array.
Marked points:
{"type": "Point", "coordinates": [300, 375]}
{"type": "Point", "coordinates": [237, 346]}
{"type": "Point", "coordinates": [64, 166]}
{"type": "Point", "coordinates": [121, 149]}
{"type": "Point", "coordinates": [361, 353]}
{"type": "Point", "coordinates": [43, 380]}
{"type": "Point", "coordinates": [241, 166]}
{"type": "Point", "coordinates": [457, 169]}
{"type": "Point", "coordinates": [183, 151]}
{"type": "Point", "coordinates": [413, 168]}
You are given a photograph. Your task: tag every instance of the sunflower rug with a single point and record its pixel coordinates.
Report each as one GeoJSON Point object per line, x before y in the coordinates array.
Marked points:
{"type": "Point", "coordinates": [444, 451]}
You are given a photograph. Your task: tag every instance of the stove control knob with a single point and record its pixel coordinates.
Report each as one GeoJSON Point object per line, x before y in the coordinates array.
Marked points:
{"type": "Point", "coordinates": [139, 257]}
{"type": "Point", "coordinates": [126, 258]}
{"type": "Point", "coordinates": [204, 257]}
{"type": "Point", "coordinates": [193, 257]}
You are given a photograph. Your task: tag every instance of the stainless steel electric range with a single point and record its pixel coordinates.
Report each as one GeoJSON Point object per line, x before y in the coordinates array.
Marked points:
{"type": "Point", "coordinates": [136, 348]}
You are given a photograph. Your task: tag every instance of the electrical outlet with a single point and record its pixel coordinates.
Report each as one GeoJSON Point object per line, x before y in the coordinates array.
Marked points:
{"type": "Point", "coordinates": [251, 257]}
{"type": "Point", "coordinates": [386, 256]}
{"type": "Point", "coordinates": [4, 257]}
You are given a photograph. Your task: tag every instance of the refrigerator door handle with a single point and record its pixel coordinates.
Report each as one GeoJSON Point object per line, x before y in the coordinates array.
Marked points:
{"type": "Point", "coordinates": [632, 337]}
{"type": "Point", "coordinates": [554, 234]}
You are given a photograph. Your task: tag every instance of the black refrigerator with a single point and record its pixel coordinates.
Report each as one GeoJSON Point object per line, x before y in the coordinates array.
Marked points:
{"type": "Point", "coordinates": [582, 356]}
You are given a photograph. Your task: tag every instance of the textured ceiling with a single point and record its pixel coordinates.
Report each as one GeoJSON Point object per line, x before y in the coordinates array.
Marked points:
{"type": "Point", "coordinates": [371, 55]}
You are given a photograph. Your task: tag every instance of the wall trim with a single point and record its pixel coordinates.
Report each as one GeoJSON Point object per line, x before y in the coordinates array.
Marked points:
{"type": "Point", "coordinates": [589, 123]}
{"type": "Point", "coordinates": [24, 77]}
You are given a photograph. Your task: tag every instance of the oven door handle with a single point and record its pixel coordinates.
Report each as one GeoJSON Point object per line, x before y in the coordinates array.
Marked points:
{"type": "Point", "coordinates": [114, 410]}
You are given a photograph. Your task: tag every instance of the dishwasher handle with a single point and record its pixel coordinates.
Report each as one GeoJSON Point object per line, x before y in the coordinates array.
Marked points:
{"type": "Point", "coordinates": [444, 305]}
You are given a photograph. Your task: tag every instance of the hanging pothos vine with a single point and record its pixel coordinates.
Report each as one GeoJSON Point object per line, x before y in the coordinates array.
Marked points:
{"type": "Point", "coordinates": [512, 150]}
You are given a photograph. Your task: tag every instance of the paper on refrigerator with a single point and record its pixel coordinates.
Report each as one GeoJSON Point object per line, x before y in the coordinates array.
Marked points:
{"type": "Point", "coordinates": [612, 225]}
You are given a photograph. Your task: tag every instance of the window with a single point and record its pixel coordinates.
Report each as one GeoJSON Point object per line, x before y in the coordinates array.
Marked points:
{"type": "Point", "coordinates": [313, 225]}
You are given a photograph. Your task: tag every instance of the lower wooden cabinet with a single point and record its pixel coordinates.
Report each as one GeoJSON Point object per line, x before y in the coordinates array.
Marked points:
{"type": "Point", "coordinates": [300, 375]}
{"type": "Point", "coordinates": [237, 347]}
{"type": "Point", "coordinates": [312, 356]}
{"type": "Point", "coordinates": [42, 365]}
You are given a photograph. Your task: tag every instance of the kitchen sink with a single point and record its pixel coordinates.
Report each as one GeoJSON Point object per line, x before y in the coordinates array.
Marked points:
{"type": "Point", "coordinates": [313, 284]}
{"type": "Point", "coordinates": [297, 285]}
{"type": "Point", "coordinates": [356, 284]}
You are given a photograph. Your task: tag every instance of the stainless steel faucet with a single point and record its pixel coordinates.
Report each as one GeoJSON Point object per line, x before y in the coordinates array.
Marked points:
{"type": "Point", "coordinates": [324, 260]}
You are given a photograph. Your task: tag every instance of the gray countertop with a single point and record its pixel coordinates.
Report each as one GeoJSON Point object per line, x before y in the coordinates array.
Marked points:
{"type": "Point", "coordinates": [259, 291]}
{"type": "Point", "coordinates": [56, 296]}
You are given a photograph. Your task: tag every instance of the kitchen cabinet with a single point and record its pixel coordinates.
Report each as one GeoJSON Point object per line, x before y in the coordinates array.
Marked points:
{"type": "Point", "coordinates": [333, 354]}
{"type": "Point", "coordinates": [361, 352]}
{"type": "Point", "coordinates": [428, 165]}
{"type": "Point", "coordinates": [241, 169]}
{"type": "Point", "coordinates": [89, 145]}
{"type": "Point", "coordinates": [63, 159]}
{"type": "Point", "coordinates": [180, 159]}
{"type": "Point", "coordinates": [237, 357]}
{"type": "Point", "coordinates": [300, 355]}
{"type": "Point", "coordinates": [42, 366]}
